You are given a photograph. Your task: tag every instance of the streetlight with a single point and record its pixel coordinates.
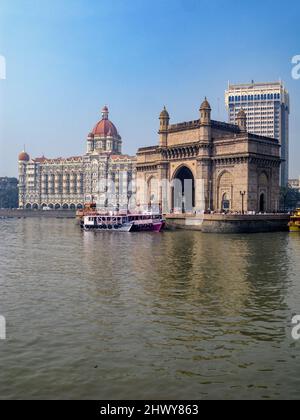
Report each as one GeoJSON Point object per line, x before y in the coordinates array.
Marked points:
{"type": "Point", "coordinates": [243, 193]}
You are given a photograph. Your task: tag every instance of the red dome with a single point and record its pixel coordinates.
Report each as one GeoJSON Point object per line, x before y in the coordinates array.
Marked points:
{"type": "Point", "coordinates": [24, 157]}
{"type": "Point", "coordinates": [105, 128]}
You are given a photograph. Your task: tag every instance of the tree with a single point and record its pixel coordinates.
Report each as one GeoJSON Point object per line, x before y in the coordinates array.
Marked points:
{"type": "Point", "coordinates": [9, 193]}
{"type": "Point", "coordinates": [289, 198]}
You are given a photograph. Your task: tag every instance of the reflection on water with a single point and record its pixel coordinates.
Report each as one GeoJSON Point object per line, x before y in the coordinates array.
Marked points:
{"type": "Point", "coordinates": [172, 315]}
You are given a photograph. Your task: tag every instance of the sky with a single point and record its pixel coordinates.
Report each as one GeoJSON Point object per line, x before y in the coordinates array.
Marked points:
{"type": "Point", "coordinates": [65, 59]}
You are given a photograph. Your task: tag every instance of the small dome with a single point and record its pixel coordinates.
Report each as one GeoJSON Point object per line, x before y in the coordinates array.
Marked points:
{"type": "Point", "coordinates": [164, 114]}
{"type": "Point", "coordinates": [205, 105]}
{"type": "Point", "coordinates": [105, 128]}
{"type": "Point", "coordinates": [24, 157]}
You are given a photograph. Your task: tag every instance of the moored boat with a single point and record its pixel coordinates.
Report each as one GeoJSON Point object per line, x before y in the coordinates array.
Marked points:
{"type": "Point", "coordinates": [89, 208]}
{"type": "Point", "coordinates": [294, 224]}
{"type": "Point", "coordinates": [123, 222]}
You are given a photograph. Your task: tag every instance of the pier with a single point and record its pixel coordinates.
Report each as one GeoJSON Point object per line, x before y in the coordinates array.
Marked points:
{"type": "Point", "coordinates": [229, 223]}
{"type": "Point", "coordinates": [207, 223]}
{"type": "Point", "coordinates": [51, 214]}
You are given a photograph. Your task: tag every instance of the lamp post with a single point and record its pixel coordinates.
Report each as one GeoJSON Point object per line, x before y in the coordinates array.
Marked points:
{"type": "Point", "coordinates": [243, 193]}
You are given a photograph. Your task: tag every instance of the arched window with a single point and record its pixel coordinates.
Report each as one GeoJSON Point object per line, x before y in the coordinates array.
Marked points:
{"type": "Point", "coordinates": [225, 191]}
{"type": "Point", "coordinates": [263, 192]}
{"type": "Point", "coordinates": [225, 202]}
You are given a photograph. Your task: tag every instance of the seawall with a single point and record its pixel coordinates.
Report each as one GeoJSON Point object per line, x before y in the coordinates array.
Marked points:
{"type": "Point", "coordinates": [218, 223]}
{"type": "Point", "coordinates": [208, 223]}
{"type": "Point", "coordinates": [51, 214]}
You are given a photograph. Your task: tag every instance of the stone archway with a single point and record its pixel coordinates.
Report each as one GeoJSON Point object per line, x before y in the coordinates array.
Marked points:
{"type": "Point", "coordinates": [28, 206]}
{"type": "Point", "coordinates": [183, 191]}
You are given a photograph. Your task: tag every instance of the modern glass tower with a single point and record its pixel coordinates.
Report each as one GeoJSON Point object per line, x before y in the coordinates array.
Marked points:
{"type": "Point", "coordinates": [267, 107]}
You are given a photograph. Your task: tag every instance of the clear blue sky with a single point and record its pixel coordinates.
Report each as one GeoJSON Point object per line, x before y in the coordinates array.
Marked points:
{"type": "Point", "coordinates": [67, 58]}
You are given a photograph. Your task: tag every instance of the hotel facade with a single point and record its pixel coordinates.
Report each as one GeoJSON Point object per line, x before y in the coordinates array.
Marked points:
{"type": "Point", "coordinates": [103, 174]}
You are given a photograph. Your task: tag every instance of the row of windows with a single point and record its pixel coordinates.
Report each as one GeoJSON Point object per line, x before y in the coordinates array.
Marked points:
{"type": "Point", "coordinates": [259, 123]}
{"type": "Point", "coordinates": [261, 107]}
{"type": "Point", "coordinates": [257, 109]}
{"type": "Point", "coordinates": [258, 113]}
{"type": "Point", "coordinates": [263, 97]}
{"type": "Point", "coordinates": [62, 191]}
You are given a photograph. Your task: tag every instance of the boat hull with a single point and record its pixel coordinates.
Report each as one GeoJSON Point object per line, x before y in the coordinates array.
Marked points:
{"type": "Point", "coordinates": [122, 223]}
{"type": "Point", "coordinates": [294, 224]}
{"type": "Point", "coordinates": [154, 227]}
{"type": "Point", "coordinates": [294, 228]}
{"type": "Point", "coordinates": [123, 228]}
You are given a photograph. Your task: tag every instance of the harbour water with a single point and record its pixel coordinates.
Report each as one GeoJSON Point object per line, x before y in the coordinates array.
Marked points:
{"type": "Point", "coordinates": [177, 315]}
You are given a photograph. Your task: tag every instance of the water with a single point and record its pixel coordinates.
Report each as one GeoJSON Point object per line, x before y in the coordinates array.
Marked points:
{"type": "Point", "coordinates": [178, 315]}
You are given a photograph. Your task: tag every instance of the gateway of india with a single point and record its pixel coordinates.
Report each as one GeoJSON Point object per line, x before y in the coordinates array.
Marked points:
{"type": "Point", "coordinates": [197, 166]}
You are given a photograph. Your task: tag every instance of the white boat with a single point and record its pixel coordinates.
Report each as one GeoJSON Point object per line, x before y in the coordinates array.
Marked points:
{"type": "Point", "coordinates": [123, 223]}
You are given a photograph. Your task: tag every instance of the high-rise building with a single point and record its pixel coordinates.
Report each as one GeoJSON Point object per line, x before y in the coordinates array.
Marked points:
{"type": "Point", "coordinates": [8, 192]}
{"type": "Point", "coordinates": [267, 107]}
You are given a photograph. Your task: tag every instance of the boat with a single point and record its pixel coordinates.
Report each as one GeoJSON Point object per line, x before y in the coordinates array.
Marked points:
{"type": "Point", "coordinates": [89, 208]}
{"type": "Point", "coordinates": [294, 224]}
{"type": "Point", "coordinates": [129, 222]}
